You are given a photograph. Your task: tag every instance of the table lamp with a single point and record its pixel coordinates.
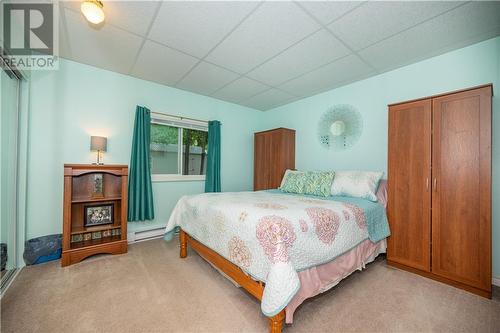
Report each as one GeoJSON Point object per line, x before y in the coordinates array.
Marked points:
{"type": "Point", "coordinates": [99, 144]}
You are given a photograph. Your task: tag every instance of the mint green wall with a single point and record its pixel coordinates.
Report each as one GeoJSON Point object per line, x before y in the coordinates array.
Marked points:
{"type": "Point", "coordinates": [77, 101]}
{"type": "Point", "coordinates": [467, 67]}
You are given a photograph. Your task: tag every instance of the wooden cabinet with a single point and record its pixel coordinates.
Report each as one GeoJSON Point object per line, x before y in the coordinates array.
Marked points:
{"type": "Point", "coordinates": [274, 152]}
{"type": "Point", "coordinates": [439, 178]}
{"type": "Point", "coordinates": [94, 211]}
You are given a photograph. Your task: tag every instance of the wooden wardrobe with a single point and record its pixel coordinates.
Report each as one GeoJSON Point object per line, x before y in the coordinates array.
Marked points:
{"type": "Point", "coordinates": [274, 152]}
{"type": "Point", "coordinates": [439, 188]}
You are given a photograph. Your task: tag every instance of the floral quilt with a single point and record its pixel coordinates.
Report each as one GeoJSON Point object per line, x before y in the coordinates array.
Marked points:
{"type": "Point", "coordinates": [272, 235]}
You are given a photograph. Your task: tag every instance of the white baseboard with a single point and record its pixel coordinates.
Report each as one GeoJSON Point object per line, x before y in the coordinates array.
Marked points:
{"type": "Point", "coordinates": [496, 281]}
{"type": "Point", "coordinates": [140, 236]}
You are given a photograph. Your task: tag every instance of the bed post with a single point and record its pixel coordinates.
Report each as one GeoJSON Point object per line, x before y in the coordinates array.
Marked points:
{"type": "Point", "coordinates": [183, 243]}
{"type": "Point", "coordinates": [276, 322]}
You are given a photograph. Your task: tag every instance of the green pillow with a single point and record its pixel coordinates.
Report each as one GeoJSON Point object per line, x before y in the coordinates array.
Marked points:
{"type": "Point", "coordinates": [319, 183]}
{"type": "Point", "coordinates": [294, 182]}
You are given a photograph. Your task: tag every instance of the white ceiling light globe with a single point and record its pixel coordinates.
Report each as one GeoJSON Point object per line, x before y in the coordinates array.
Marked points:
{"type": "Point", "coordinates": [337, 128]}
{"type": "Point", "coordinates": [92, 10]}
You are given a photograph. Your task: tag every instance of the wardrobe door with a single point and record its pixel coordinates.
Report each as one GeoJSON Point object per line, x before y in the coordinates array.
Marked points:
{"type": "Point", "coordinates": [276, 158]}
{"type": "Point", "coordinates": [288, 157]}
{"type": "Point", "coordinates": [461, 204]}
{"type": "Point", "coordinates": [409, 175]}
{"type": "Point", "coordinates": [282, 156]}
{"type": "Point", "coordinates": [262, 161]}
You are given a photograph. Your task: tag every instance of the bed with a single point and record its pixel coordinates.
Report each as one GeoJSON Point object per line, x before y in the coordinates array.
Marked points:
{"type": "Point", "coordinates": [282, 248]}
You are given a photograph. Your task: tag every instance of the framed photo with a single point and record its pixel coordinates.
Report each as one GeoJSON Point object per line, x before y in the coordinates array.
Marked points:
{"type": "Point", "coordinates": [98, 186]}
{"type": "Point", "coordinates": [98, 214]}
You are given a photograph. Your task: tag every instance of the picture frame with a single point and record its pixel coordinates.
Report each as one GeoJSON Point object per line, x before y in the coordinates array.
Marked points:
{"type": "Point", "coordinates": [98, 214]}
{"type": "Point", "coordinates": [98, 186]}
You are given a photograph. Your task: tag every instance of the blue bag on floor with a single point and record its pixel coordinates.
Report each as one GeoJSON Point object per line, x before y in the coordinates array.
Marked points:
{"type": "Point", "coordinates": [42, 249]}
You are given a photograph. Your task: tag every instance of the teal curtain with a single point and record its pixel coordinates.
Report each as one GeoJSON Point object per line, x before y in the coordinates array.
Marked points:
{"type": "Point", "coordinates": [140, 191]}
{"type": "Point", "coordinates": [212, 179]}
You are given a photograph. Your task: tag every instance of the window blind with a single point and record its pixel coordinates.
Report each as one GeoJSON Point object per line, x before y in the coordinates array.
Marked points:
{"type": "Point", "coordinates": [163, 119]}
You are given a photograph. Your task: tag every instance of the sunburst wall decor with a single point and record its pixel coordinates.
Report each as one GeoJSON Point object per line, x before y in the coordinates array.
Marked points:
{"type": "Point", "coordinates": [340, 127]}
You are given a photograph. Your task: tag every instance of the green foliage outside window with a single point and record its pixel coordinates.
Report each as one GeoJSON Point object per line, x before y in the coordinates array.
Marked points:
{"type": "Point", "coordinates": [164, 134]}
{"type": "Point", "coordinates": [169, 135]}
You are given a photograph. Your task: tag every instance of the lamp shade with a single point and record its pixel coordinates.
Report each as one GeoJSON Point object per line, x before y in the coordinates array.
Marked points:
{"type": "Point", "coordinates": [98, 143]}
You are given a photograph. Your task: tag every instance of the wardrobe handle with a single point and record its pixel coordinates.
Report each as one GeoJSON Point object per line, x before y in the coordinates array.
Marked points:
{"type": "Point", "coordinates": [435, 184]}
{"type": "Point", "coordinates": [427, 184]}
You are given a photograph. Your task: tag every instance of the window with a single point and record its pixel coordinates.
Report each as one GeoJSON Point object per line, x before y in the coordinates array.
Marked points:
{"type": "Point", "coordinates": [178, 148]}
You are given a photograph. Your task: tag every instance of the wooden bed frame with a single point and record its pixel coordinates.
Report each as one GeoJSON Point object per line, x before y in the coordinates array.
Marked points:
{"type": "Point", "coordinates": [255, 288]}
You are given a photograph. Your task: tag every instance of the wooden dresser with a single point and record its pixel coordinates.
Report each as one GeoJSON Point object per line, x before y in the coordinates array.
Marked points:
{"type": "Point", "coordinates": [439, 188]}
{"type": "Point", "coordinates": [274, 152]}
{"type": "Point", "coordinates": [94, 211]}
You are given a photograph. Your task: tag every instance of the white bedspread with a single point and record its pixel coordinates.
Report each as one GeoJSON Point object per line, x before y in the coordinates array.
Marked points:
{"type": "Point", "coordinates": [270, 235]}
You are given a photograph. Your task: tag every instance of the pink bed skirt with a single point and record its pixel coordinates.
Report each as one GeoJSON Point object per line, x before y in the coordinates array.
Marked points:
{"type": "Point", "coordinates": [316, 280]}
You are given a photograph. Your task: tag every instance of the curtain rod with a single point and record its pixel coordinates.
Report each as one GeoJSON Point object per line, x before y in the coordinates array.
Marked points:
{"type": "Point", "coordinates": [178, 117]}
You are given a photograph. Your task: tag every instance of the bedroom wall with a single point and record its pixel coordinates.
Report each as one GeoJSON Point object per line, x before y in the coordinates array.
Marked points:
{"type": "Point", "coordinates": [77, 101]}
{"type": "Point", "coordinates": [474, 65]}
{"type": "Point", "coordinates": [69, 105]}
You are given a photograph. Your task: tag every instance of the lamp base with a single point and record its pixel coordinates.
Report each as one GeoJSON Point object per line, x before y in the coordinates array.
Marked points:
{"type": "Point", "coordinates": [98, 161]}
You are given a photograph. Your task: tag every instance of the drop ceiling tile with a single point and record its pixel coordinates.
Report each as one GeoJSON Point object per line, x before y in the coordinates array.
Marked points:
{"type": "Point", "coordinates": [133, 16]}
{"type": "Point", "coordinates": [273, 27]}
{"type": "Point", "coordinates": [269, 99]}
{"type": "Point", "coordinates": [206, 78]}
{"type": "Point", "coordinates": [460, 27]}
{"type": "Point", "coordinates": [196, 27]}
{"type": "Point", "coordinates": [374, 21]}
{"type": "Point", "coordinates": [327, 11]}
{"type": "Point", "coordinates": [240, 89]}
{"type": "Point", "coordinates": [347, 69]}
{"type": "Point", "coordinates": [162, 64]}
{"type": "Point", "coordinates": [107, 47]}
{"type": "Point", "coordinates": [314, 51]}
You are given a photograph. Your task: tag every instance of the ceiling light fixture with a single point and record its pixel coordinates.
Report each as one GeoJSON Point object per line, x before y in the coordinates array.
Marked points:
{"type": "Point", "coordinates": [92, 10]}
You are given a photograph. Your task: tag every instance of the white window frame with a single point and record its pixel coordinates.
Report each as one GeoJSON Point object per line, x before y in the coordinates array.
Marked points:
{"type": "Point", "coordinates": [181, 123]}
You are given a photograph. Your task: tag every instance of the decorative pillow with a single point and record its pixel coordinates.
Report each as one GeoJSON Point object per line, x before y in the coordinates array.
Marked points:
{"type": "Point", "coordinates": [293, 182]}
{"type": "Point", "coordinates": [361, 184]}
{"type": "Point", "coordinates": [319, 183]}
{"type": "Point", "coordinates": [288, 171]}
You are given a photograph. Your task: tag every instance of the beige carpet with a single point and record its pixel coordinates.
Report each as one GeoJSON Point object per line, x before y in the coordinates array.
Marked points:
{"type": "Point", "coordinates": [151, 290]}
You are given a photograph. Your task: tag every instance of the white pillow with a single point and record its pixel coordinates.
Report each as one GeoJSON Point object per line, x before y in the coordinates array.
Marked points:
{"type": "Point", "coordinates": [360, 184]}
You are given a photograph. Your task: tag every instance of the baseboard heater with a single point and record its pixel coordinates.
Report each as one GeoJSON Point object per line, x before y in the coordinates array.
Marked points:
{"type": "Point", "coordinates": [140, 236]}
